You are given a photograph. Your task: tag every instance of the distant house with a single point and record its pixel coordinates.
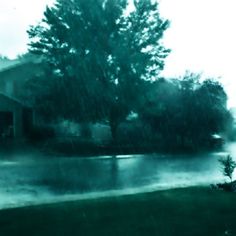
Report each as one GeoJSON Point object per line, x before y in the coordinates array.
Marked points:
{"type": "Point", "coordinates": [16, 118]}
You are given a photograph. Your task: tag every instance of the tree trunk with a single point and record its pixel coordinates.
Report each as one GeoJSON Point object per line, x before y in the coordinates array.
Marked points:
{"type": "Point", "coordinates": [85, 131]}
{"type": "Point", "coordinates": [114, 128]}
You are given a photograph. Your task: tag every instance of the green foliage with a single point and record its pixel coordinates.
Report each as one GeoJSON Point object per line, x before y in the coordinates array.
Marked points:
{"type": "Point", "coordinates": [228, 165]}
{"type": "Point", "coordinates": [186, 111]}
{"type": "Point", "coordinates": [101, 63]}
{"type": "Point", "coordinates": [41, 133]}
{"type": "Point", "coordinates": [97, 57]}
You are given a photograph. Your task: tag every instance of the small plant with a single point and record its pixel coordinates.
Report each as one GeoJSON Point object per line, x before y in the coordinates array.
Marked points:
{"type": "Point", "coordinates": [228, 165]}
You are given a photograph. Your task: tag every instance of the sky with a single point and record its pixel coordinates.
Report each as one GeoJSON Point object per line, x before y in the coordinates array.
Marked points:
{"type": "Point", "coordinates": [202, 36]}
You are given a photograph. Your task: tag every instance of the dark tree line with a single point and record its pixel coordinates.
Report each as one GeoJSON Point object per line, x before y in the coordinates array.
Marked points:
{"type": "Point", "coordinates": [186, 111]}
{"type": "Point", "coordinates": [102, 62]}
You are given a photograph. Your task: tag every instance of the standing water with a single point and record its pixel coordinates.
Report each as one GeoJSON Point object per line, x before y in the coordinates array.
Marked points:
{"type": "Point", "coordinates": [25, 181]}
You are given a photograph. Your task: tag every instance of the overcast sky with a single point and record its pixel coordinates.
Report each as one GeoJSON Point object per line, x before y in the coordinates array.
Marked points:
{"type": "Point", "coordinates": [202, 35]}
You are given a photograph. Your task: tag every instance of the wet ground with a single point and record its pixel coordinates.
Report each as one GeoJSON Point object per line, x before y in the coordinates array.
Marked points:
{"type": "Point", "coordinates": [31, 179]}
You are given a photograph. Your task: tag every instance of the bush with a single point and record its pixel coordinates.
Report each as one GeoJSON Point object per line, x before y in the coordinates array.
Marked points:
{"type": "Point", "coordinates": [40, 133]}
{"type": "Point", "coordinates": [228, 165]}
{"type": "Point", "coordinates": [228, 187]}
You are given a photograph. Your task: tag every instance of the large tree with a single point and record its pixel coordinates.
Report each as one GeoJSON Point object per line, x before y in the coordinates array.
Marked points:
{"type": "Point", "coordinates": [98, 56]}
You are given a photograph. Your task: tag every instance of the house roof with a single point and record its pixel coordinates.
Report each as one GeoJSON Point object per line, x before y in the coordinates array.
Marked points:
{"type": "Point", "coordinates": [7, 63]}
{"type": "Point", "coordinates": [12, 100]}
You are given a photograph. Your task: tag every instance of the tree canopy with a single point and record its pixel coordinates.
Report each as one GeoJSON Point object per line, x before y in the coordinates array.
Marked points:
{"type": "Point", "coordinates": [102, 61]}
{"type": "Point", "coordinates": [98, 56]}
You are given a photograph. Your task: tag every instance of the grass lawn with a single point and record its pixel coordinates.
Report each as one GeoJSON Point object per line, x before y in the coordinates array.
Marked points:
{"type": "Point", "coordinates": [192, 211]}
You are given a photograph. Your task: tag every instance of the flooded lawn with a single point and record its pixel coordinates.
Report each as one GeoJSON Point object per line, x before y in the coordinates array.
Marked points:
{"type": "Point", "coordinates": [27, 180]}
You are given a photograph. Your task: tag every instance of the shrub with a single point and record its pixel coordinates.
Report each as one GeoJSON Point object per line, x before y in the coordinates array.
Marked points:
{"type": "Point", "coordinates": [40, 133]}
{"type": "Point", "coordinates": [228, 165]}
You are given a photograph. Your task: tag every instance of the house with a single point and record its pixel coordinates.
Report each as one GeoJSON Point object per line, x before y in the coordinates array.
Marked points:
{"type": "Point", "coordinates": [13, 77]}
{"type": "Point", "coordinates": [16, 118]}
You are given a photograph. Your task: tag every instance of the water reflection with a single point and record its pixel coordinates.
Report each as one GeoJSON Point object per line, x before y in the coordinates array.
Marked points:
{"type": "Point", "coordinates": [37, 179]}
{"type": "Point", "coordinates": [114, 172]}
